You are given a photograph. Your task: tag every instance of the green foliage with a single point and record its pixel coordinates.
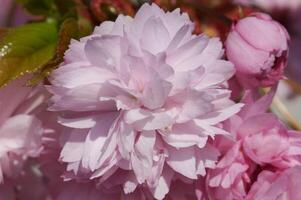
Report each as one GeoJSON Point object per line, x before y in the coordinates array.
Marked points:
{"type": "Point", "coordinates": [57, 10]}
{"type": "Point", "coordinates": [39, 7]}
{"type": "Point", "coordinates": [39, 48]}
{"type": "Point", "coordinates": [26, 49]}
{"type": "Point", "coordinates": [69, 30]}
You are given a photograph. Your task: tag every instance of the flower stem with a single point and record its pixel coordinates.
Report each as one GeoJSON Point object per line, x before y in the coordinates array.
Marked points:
{"type": "Point", "coordinates": [281, 108]}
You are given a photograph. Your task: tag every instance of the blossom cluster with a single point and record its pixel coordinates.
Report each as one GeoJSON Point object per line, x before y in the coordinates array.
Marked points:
{"type": "Point", "coordinates": [144, 108]}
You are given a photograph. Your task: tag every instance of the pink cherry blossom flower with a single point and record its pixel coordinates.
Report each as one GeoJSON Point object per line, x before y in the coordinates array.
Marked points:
{"type": "Point", "coordinates": [277, 185]}
{"type": "Point", "coordinates": [29, 165]}
{"type": "Point", "coordinates": [89, 191]}
{"type": "Point", "coordinates": [20, 132]}
{"type": "Point", "coordinates": [122, 184]}
{"type": "Point", "coordinates": [269, 142]}
{"type": "Point", "coordinates": [258, 47]}
{"type": "Point", "coordinates": [260, 142]}
{"type": "Point", "coordinates": [142, 94]}
{"type": "Point", "coordinates": [231, 175]}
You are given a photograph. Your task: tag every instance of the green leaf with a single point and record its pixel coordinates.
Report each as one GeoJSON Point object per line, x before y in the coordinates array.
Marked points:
{"type": "Point", "coordinates": [26, 49]}
{"type": "Point", "coordinates": [69, 30]}
{"type": "Point", "coordinates": [54, 9]}
{"type": "Point", "coordinates": [39, 7]}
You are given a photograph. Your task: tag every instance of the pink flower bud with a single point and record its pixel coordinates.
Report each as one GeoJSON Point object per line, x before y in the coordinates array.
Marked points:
{"type": "Point", "coordinates": [258, 47]}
